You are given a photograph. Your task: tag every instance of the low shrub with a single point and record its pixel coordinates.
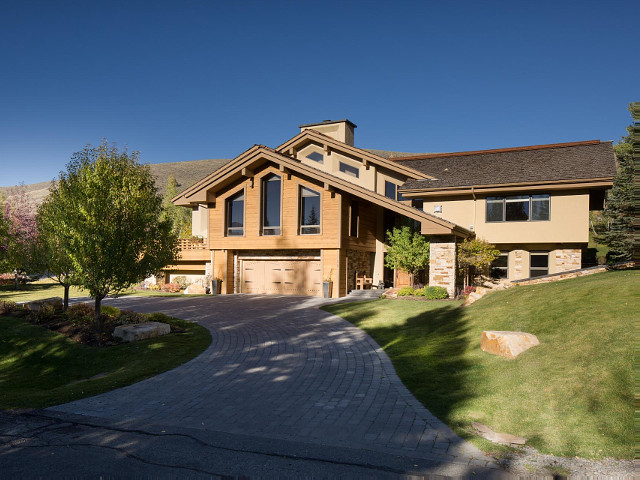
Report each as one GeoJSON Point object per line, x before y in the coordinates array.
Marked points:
{"type": "Point", "coordinates": [406, 291]}
{"type": "Point", "coordinates": [154, 287]}
{"type": "Point", "coordinates": [44, 313]}
{"type": "Point", "coordinates": [468, 289]}
{"type": "Point", "coordinates": [419, 292]}
{"type": "Point", "coordinates": [128, 317]}
{"type": "Point", "coordinates": [182, 281]}
{"type": "Point", "coordinates": [81, 313]}
{"type": "Point", "coordinates": [170, 287]}
{"type": "Point", "coordinates": [435, 293]}
{"type": "Point", "coordinates": [110, 311]}
{"type": "Point", "coordinates": [8, 306]}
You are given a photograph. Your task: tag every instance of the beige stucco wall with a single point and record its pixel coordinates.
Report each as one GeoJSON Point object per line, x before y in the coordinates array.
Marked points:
{"type": "Point", "coordinates": [340, 131]}
{"type": "Point", "coordinates": [200, 221]}
{"type": "Point", "coordinates": [569, 219]}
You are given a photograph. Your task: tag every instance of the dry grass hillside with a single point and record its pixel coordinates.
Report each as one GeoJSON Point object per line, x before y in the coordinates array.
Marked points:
{"type": "Point", "coordinates": [186, 173]}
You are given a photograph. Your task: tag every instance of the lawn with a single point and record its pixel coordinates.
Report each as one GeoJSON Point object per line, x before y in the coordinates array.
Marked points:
{"type": "Point", "coordinates": [571, 396]}
{"type": "Point", "coordinates": [40, 368]}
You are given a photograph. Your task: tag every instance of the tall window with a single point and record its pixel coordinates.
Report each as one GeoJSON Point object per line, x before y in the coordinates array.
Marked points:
{"type": "Point", "coordinates": [389, 190]}
{"type": "Point", "coordinates": [271, 189]}
{"type": "Point", "coordinates": [500, 266]}
{"type": "Point", "coordinates": [309, 211]}
{"type": "Point", "coordinates": [538, 264]}
{"type": "Point", "coordinates": [235, 215]}
{"type": "Point", "coordinates": [518, 208]}
{"type": "Point", "coordinates": [354, 219]}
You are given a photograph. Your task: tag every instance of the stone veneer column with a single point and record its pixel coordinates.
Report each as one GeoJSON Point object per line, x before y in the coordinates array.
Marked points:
{"type": "Point", "coordinates": [442, 263]}
{"type": "Point", "coordinates": [568, 259]}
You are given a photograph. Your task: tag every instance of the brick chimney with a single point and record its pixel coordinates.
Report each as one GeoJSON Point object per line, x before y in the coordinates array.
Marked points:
{"type": "Point", "coordinates": [341, 130]}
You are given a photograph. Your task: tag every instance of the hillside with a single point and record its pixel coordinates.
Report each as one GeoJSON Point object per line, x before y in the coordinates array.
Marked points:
{"type": "Point", "coordinates": [186, 173]}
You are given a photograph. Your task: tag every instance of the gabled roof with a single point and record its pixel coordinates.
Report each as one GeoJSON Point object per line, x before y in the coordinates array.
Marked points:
{"type": "Point", "coordinates": [311, 136]}
{"type": "Point", "coordinates": [204, 190]}
{"type": "Point", "coordinates": [566, 163]}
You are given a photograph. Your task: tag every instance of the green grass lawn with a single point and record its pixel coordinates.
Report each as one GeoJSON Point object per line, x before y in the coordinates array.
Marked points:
{"type": "Point", "coordinates": [571, 396]}
{"type": "Point", "coordinates": [38, 367]}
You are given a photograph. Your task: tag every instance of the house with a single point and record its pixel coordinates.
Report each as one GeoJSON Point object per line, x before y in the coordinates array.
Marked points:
{"type": "Point", "coordinates": [317, 208]}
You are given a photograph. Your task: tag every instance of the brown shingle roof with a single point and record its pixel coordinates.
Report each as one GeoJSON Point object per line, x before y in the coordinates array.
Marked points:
{"type": "Point", "coordinates": [539, 163]}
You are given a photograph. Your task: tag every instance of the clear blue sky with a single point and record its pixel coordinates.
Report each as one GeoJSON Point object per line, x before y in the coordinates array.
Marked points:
{"type": "Point", "coordinates": [187, 80]}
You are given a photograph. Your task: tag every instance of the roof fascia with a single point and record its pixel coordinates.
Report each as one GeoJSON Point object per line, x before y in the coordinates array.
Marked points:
{"type": "Point", "coordinates": [353, 151]}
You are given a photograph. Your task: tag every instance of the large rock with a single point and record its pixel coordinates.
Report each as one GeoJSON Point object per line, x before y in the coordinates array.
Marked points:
{"type": "Point", "coordinates": [195, 288]}
{"type": "Point", "coordinates": [55, 302]}
{"type": "Point", "coordinates": [140, 331]}
{"type": "Point", "coordinates": [507, 344]}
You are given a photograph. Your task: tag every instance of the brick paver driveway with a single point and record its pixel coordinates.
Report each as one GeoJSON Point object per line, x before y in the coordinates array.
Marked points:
{"type": "Point", "coordinates": [279, 367]}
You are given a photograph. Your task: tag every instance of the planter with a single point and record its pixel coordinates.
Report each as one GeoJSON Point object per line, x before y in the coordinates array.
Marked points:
{"type": "Point", "coordinates": [327, 288]}
{"type": "Point", "coordinates": [216, 287]}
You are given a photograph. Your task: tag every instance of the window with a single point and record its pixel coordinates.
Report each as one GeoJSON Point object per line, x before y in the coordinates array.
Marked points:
{"type": "Point", "coordinates": [316, 157]}
{"type": "Point", "coordinates": [271, 188]}
{"type": "Point", "coordinates": [518, 208]}
{"type": "Point", "coordinates": [500, 266]}
{"type": "Point", "coordinates": [309, 211]}
{"type": "Point", "coordinates": [235, 215]}
{"type": "Point", "coordinates": [349, 170]}
{"type": "Point", "coordinates": [354, 219]}
{"type": "Point", "coordinates": [401, 197]}
{"type": "Point", "coordinates": [389, 190]}
{"type": "Point", "coordinates": [417, 203]}
{"type": "Point", "coordinates": [538, 264]}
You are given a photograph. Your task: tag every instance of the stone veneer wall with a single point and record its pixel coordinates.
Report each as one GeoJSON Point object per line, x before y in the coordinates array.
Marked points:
{"type": "Point", "coordinates": [442, 263]}
{"type": "Point", "coordinates": [568, 259]}
{"type": "Point", "coordinates": [360, 261]}
{"type": "Point", "coordinates": [518, 263]}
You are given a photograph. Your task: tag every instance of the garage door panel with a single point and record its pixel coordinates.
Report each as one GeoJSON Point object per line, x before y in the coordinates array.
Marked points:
{"type": "Point", "coordinates": [289, 277]}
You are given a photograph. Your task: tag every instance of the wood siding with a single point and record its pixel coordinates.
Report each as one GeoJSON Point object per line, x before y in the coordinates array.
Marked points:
{"type": "Point", "coordinates": [367, 225]}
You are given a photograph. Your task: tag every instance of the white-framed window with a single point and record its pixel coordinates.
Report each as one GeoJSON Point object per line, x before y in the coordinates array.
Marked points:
{"type": "Point", "coordinates": [310, 211]}
{"type": "Point", "coordinates": [538, 264]}
{"type": "Point", "coordinates": [235, 215]}
{"type": "Point", "coordinates": [271, 204]}
{"type": "Point", "coordinates": [518, 208]}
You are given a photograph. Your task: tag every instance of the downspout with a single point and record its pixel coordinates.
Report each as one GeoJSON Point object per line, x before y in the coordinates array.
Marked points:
{"type": "Point", "coordinates": [474, 207]}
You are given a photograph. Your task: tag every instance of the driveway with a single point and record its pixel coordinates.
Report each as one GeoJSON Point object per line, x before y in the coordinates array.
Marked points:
{"type": "Point", "coordinates": [279, 368]}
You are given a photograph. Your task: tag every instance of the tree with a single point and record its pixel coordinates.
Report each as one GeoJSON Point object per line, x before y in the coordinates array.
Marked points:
{"type": "Point", "coordinates": [407, 250]}
{"type": "Point", "coordinates": [180, 217]}
{"type": "Point", "coordinates": [475, 253]}
{"type": "Point", "coordinates": [51, 254]}
{"type": "Point", "coordinates": [616, 229]}
{"type": "Point", "coordinates": [4, 232]}
{"type": "Point", "coordinates": [21, 232]}
{"type": "Point", "coordinates": [109, 218]}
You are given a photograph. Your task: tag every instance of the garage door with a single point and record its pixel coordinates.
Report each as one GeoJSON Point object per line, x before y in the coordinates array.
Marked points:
{"type": "Point", "coordinates": [284, 277]}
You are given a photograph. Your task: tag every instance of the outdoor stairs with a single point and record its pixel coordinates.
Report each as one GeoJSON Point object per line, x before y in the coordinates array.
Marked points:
{"type": "Point", "coordinates": [370, 294]}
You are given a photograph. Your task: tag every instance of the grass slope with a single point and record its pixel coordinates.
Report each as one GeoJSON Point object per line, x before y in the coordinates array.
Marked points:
{"type": "Point", "coordinates": [38, 367]}
{"type": "Point", "coordinates": [570, 396]}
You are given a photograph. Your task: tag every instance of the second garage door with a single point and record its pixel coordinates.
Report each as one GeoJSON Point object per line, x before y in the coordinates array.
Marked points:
{"type": "Point", "coordinates": [284, 277]}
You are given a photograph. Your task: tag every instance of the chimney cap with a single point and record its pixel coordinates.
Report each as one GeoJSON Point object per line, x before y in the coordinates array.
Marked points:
{"type": "Point", "coordinates": [329, 122]}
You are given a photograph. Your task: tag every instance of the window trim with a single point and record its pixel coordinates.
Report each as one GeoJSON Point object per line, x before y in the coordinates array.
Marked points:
{"type": "Point", "coordinates": [503, 200]}
{"type": "Point", "coordinates": [319, 192]}
{"type": "Point", "coordinates": [227, 200]}
{"type": "Point", "coordinates": [262, 203]}
{"type": "Point", "coordinates": [531, 268]}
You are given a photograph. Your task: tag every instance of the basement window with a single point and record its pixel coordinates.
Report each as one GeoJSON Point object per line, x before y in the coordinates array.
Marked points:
{"type": "Point", "coordinates": [538, 264]}
{"type": "Point", "coordinates": [500, 266]}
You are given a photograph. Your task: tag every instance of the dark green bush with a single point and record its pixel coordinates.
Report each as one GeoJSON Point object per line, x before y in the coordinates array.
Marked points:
{"type": "Point", "coordinates": [8, 306]}
{"type": "Point", "coordinates": [419, 292]}
{"type": "Point", "coordinates": [435, 293]}
{"type": "Point", "coordinates": [129, 317]}
{"type": "Point", "coordinates": [81, 313]}
{"type": "Point", "coordinates": [44, 312]}
{"type": "Point", "coordinates": [406, 292]}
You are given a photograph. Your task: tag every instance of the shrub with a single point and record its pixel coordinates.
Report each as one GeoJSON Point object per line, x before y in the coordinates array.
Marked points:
{"type": "Point", "coordinates": [170, 287]}
{"type": "Point", "coordinates": [468, 289]}
{"type": "Point", "coordinates": [128, 317]}
{"type": "Point", "coordinates": [419, 292]}
{"type": "Point", "coordinates": [110, 311]}
{"type": "Point", "coordinates": [154, 287]}
{"type": "Point", "coordinates": [406, 292]}
{"type": "Point", "coordinates": [80, 313]}
{"type": "Point", "coordinates": [435, 293]}
{"type": "Point", "coordinates": [182, 282]}
{"type": "Point", "coordinates": [44, 312]}
{"type": "Point", "coordinates": [8, 306]}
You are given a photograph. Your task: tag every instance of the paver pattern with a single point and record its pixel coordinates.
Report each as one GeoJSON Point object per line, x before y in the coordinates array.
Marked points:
{"type": "Point", "coordinates": [278, 367]}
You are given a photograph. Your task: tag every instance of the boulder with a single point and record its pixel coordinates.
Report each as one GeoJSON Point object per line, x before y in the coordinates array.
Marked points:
{"type": "Point", "coordinates": [507, 344]}
{"type": "Point", "coordinates": [140, 331]}
{"type": "Point", "coordinates": [195, 288]}
{"type": "Point", "coordinates": [55, 302]}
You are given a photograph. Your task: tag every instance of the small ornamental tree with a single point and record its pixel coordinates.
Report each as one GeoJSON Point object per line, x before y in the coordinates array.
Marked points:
{"type": "Point", "coordinates": [616, 229]}
{"type": "Point", "coordinates": [4, 231]}
{"type": "Point", "coordinates": [407, 250]}
{"type": "Point", "coordinates": [21, 232]}
{"type": "Point", "coordinates": [51, 254]}
{"type": "Point", "coordinates": [477, 254]}
{"type": "Point", "coordinates": [180, 217]}
{"type": "Point", "coordinates": [109, 218]}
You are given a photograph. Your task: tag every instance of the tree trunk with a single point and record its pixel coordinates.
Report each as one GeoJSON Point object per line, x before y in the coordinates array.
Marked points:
{"type": "Point", "coordinates": [15, 277]}
{"type": "Point", "coordinates": [98, 317]}
{"type": "Point", "coordinates": [65, 303]}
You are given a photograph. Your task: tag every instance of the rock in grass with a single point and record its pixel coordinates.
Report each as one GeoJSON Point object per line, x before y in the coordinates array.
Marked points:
{"type": "Point", "coordinates": [55, 302]}
{"type": "Point", "coordinates": [140, 331]}
{"type": "Point", "coordinates": [507, 344]}
{"type": "Point", "coordinates": [502, 438]}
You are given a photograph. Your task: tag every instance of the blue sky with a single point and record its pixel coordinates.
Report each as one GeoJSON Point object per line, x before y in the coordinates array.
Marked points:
{"type": "Point", "coordinates": [187, 80]}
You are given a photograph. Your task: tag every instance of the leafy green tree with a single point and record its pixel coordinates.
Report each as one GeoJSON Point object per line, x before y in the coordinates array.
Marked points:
{"type": "Point", "coordinates": [475, 253]}
{"type": "Point", "coordinates": [51, 254]}
{"type": "Point", "coordinates": [180, 217]}
{"type": "Point", "coordinates": [616, 229]}
{"type": "Point", "coordinates": [20, 222]}
{"type": "Point", "coordinates": [109, 218]}
{"type": "Point", "coordinates": [407, 250]}
{"type": "Point", "coordinates": [4, 233]}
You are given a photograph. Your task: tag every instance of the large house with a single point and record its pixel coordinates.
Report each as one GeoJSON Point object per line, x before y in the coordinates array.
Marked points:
{"type": "Point", "coordinates": [316, 208]}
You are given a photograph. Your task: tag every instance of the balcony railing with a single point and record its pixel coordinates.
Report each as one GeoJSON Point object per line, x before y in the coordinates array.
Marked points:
{"type": "Point", "coordinates": [188, 244]}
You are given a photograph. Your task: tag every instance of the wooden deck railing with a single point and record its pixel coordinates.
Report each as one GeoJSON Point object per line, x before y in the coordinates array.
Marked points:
{"type": "Point", "coordinates": [188, 244]}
